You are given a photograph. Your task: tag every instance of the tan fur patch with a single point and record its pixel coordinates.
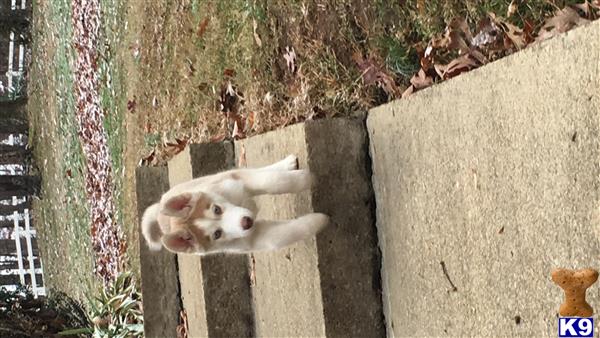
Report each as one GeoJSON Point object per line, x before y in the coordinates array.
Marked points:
{"type": "Point", "coordinates": [201, 237]}
{"type": "Point", "coordinates": [200, 208]}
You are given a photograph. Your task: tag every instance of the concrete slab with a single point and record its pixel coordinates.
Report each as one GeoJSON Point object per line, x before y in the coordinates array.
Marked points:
{"type": "Point", "coordinates": [216, 289]}
{"type": "Point", "coordinates": [158, 269]}
{"type": "Point", "coordinates": [495, 173]}
{"type": "Point", "coordinates": [190, 269]}
{"type": "Point", "coordinates": [227, 293]}
{"type": "Point", "coordinates": [327, 286]}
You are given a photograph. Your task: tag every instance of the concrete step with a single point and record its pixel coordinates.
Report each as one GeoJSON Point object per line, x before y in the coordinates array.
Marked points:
{"type": "Point", "coordinates": [495, 173]}
{"type": "Point", "coordinates": [159, 284]}
{"type": "Point", "coordinates": [329, 286]}
{"type": "Point", "coordinates": [215, 289]}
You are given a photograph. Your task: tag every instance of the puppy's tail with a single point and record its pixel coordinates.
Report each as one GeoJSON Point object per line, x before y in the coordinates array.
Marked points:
{"type": "Point", "coordinates": [150, 227]}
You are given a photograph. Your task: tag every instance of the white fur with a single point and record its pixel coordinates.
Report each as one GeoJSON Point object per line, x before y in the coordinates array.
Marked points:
{"type": "Point", "coordinates": [151, 228]}
{"type": "Point", "coordinates": [176, 224]}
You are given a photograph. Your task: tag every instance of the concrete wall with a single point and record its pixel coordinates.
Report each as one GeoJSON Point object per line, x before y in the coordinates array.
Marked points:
{"type": "Point", "coordinates": [495, 173]}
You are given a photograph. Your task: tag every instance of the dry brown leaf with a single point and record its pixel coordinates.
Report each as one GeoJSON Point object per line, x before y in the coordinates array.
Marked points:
{"type": "Point", "coordinates": [457, 66]}
{"type": "Point", "coordinates": [131, 105]}
{"type": "Point", "coordinates": [590, 10]}
{"type": "Point", "coordinates": [250, 119]}
{"type": "Point", "coordinates": [242, 157]}
{"type": "Point", "coordinates": [290, 59]}
{"type": "Point", "coordinates": [202, 27]}
{"type": "Point", "coordinates": [421, 80]}
{"type": "Point", "coordinates": [461, 24]}
{"type": "Point", "coordinates": [218, 138]}
{"type": "Point", "coordinates": [256, 37]}
{"type": "Point", "coordinates": [182, 328]}
{"type": "Point", "coordinates": [228, 98]}
{"type": "Point", "coordinates": [514, 33]}
{"type": "Point", "coordinates": [512, 8]}
{"type": "Point", "coordinates": [489, 33]}
{"type": "Point", "coordinates": [238, 130]}
{"type": "Point", "coordinates": [408, 91]}
{"type": "Point", "coordinates": [228, 72]}
{"type": "Point", "coordinates": [564, 20]}
{"type": "Point", "coordinates": [374, 74]}
{"type": "Point", "coordinates": [451, 40]}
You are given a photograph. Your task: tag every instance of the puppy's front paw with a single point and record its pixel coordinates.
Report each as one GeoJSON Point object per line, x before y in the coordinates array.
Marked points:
{"type": "Point", "coordinates": [290, 163]}
{"type": "Point", "coordinates": [317, 221]}
{"type": "Point", "coordinates": [303, 180]}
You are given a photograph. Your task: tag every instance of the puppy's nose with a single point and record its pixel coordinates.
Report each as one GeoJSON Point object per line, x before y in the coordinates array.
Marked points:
{"type": "Point", "coordinates": [247, 222]}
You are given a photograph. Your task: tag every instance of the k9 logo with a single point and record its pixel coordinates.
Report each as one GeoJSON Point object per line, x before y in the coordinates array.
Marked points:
{"type": "Point", "coordinates": [575, 327]}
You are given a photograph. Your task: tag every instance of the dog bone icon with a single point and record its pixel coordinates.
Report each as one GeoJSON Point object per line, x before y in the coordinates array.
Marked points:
{"type": "Point", "coordinates": [575, 283]}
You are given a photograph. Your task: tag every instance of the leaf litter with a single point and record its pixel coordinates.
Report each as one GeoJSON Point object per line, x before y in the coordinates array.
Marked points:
{"type": "Point", "coordinates": [107, 238]}
{"type": "Point", "coordinates": [458, 50]}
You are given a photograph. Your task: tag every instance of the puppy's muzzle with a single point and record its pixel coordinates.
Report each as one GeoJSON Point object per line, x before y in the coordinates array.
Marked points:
{"type": "Point", "coordinates": [247, 222]}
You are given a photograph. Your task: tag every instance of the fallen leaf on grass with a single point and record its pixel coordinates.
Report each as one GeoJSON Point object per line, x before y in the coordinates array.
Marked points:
{"type": "Point", "coordinates": [256, 37]}
{"type": "Point", "coordinates": [250, 119]}
{"type": "Point", "coordinates": [590, 10]}
{"type": "Point", "coordinates": [461, 24]}
{"type": "Point", "coordinates": [228, 98]}
{"type": "Point", "coordinates": [488, 34]}
{"type": "Point", "coordinates": [457, 66]}
{"type": "Point", "coordinates": [202, 27]}
{"type": "Point", "coordinates": [290, 59]}
{"type": "Point", "coordinates": [421, 80]}
{"type": "Point", "coordinates": [131, 105]}
{"type": "Point", "coordinates": [512, 32]}
{"type": "Point", "coordinates": [564, 20]}
{"type": "Point", "coordinates": [178, 146]}
{"type": "Point", "coordinates": [149, 159]}
{"type": "Point", "coordinates": [373, 73]}
{"type": "Point", "coordinates": [228, 72]}
{"type": "Point", "coordinates": [218, 138]}
{"type": "Point", "coordinates": [238, 129]}
{"type": "Point", "coordinates": [451, 40]}
{"type": "Point", "coordinates": [418, 81]}
{"type": "Point", "coordinates": [512, 8]}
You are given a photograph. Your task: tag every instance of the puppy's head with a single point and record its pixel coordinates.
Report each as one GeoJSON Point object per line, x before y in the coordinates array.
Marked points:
{"type": "Point", "coordinates": [203, 222]}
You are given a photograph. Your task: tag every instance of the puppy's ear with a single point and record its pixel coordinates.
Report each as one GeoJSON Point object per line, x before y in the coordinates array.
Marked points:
{"type": "Point", "coordinates": [178, 206]}
{"type": "Point", "coordinates": [181, 241]}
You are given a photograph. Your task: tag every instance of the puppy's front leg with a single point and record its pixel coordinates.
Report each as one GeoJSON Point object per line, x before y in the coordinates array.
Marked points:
{"type": "Point", "coordinates": [273, 235]}
{"type": "Point", "coordinates": [259, 182]}
{"type": "Point", "coordinates": [288, 163]}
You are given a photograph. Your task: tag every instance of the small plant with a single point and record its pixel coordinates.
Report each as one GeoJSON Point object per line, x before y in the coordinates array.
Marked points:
{"type": "Point", "coordinates": [115, 312]}
{"type": "Point", "coordinates": [22, 315]}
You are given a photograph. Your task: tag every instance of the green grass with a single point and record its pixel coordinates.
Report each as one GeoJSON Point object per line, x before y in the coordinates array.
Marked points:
{"type": "Point", "coordinates": [113, 95]}
{"type": "Point", "coordinates": [62, 216]}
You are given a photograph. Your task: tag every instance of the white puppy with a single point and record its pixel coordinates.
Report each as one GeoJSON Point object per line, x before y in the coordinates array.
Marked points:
{"type": "Point", "coordinates": [216, 213]}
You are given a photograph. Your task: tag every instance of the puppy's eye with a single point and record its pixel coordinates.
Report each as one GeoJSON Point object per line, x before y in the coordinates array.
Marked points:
{"type": "Point", "coordinates": [217, 210]}
{"type": "Point", "coordinates": [217, 234]}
